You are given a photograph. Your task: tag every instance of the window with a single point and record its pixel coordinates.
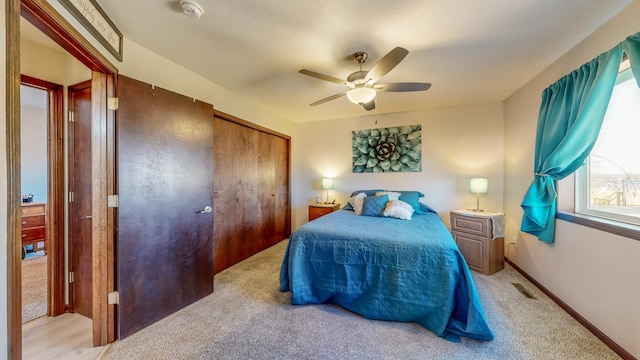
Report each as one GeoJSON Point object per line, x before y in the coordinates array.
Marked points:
{"type": "Point", "coordinates": [608, 186]}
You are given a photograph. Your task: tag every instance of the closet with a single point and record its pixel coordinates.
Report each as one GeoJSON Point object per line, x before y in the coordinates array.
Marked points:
{"type": "Point", "coordinates": [251, 189]}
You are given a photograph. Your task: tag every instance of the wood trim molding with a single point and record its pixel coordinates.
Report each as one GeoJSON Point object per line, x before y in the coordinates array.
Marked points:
{"type": "Point", "coordinates": [597, 332]}
{"type": "Point", "coordinates": [225, 116]}
{"type": "Point", "coordinates": [99, 195]}
{"type": "Point", "coordinates": [111, 212]}
{"type": "Point", "coordinates": [14, 242]}
{"type": "Point", "coordinates": [55, 197]}
{"type": "Point", "coordinates": [44, 17]}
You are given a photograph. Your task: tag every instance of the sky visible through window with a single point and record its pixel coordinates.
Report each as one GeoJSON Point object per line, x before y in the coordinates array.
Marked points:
{"type": "Point", "coordinates": [615, 159]}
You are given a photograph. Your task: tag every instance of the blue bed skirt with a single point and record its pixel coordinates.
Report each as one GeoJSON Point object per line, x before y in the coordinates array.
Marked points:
{"type": "Point", "coordinates": [385, 269]}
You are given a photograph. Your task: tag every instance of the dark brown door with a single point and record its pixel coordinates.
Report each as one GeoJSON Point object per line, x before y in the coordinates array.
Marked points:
{"type": "Point", "coordinates": [236, 191]}
{"type": "Point", "coordinates": [165, 180]}
{"type": "Point", "coordinates": [80, 232]}
{"type": "Point", "coordinates": [251, 189]}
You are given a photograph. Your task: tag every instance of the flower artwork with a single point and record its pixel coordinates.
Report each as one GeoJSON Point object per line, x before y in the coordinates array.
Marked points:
{"type": "Point", "coordinates": [393, 149]}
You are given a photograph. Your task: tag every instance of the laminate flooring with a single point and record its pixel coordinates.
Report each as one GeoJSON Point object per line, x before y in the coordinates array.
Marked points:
{"type": "Point", "coordinates": [68, 337]}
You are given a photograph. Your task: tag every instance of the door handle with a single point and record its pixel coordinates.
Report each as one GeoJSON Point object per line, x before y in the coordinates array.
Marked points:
{"type": "Point", "coordinates": [86, 217]}
{"type": "Point", "coordinates": [207, 209]}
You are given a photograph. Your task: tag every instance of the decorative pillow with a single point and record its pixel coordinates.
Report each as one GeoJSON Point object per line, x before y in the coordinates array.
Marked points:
{"type": "Point", "coordinates": [374, 205]}
{"type": "Point", "coordinates": [398, 209]}
{"type": "Point", "coordinates": [348, 206]}
{"type": "Point", "coordinates": [392, 195]}
{"type": "Point", "coordinates": [412, 198]}
{"type": "Point", "coordinates": [356, 202]}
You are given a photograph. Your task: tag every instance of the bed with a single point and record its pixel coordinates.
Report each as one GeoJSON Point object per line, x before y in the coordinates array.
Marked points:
{"type": "Point", "coordinates": [386, 269]}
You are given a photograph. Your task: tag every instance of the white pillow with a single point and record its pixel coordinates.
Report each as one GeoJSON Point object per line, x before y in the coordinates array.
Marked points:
{"type": "Point", "coordinates": [357, 202]}
{"type": "Point", "coordinates": [398, 209]}
{"type": "Point", "coordinates": [392, 195]}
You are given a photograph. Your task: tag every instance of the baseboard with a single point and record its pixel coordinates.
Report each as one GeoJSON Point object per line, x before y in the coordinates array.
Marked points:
{"type": "Point", "coordinates": [599, 334]}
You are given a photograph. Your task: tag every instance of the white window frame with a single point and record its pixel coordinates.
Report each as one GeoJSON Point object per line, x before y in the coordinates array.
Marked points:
{"type": "Point", "coordinates": [582, 190]}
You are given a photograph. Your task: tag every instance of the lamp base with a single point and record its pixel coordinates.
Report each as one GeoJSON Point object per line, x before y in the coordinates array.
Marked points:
{"type": "Point", "coordinates": [478, 210]}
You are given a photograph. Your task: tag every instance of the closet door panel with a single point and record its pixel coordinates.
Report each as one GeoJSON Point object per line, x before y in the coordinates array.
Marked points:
{"type": "Point", "coordinates": [226, 201]}
{"type": "Point", "coordinates": [267, 184]}
{"type": "Point", "coordinates": [252, 203]}
{"type": "Point", "coordinates": [247, 221]}
{"type": "Point", "coordinates": [282, 198]}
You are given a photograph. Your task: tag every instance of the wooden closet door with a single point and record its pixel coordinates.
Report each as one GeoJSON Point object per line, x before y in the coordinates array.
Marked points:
{"type": "Point", "coordinates": [251, 194]}
{"type": "Point", "coordinates": [235, 193]}
{"type": "Point", "coordinates": [267, 195]}
{"type": "Point", "coordinates": [282, 198]}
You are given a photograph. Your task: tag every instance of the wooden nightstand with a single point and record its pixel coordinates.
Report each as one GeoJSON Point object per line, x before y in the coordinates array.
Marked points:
{"type": "Point", "coordinates": [473, 232]}
{"type": "Point", "coordinates": [317, 210]}
{"type": "Point", "coordinates": [34, 228]}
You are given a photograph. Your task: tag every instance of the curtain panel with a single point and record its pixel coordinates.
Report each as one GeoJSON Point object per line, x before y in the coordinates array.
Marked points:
{"type": "Point", "coordinates": [571, 114]}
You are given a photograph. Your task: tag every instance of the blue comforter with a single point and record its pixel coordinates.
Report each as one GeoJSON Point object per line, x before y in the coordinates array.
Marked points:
{"type": "Point", "coordinates": [385, 269]}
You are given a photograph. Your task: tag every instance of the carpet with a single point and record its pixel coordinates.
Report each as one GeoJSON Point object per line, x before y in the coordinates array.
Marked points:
{"type": "Point", "coordinates": [34, 287]}
{"type": "Point", "coordinates": [247, 317]}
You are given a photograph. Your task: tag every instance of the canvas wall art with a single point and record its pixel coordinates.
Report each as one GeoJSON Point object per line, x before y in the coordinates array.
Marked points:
{"type": "Point", "coordinates": [392, 149]}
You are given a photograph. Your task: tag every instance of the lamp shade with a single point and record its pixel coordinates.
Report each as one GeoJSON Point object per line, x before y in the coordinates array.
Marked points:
{"type": "Point", "coordinates": [361, 95]}
{"type": "Point", "coordinates": [327, 184]}
{"type": "Point", "coordinates": [479, 185]}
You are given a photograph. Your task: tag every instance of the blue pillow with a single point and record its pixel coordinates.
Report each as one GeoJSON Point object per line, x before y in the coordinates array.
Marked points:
{"type": "Point", "coordinates": [412, 198]}
{"type": "Point", "coordinates": [367, 192]}
{"type": "Point", "coordinates": [374, 205]}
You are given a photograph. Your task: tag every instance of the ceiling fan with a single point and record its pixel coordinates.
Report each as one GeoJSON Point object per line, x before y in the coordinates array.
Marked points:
{"type": "Point", "coordinates": [363, 85]}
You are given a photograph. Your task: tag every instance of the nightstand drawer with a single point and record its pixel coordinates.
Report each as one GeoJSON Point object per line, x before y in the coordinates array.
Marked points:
{"type": "Point", "coordinates": [33, 234]}
{"type": "Point", "coordinates": [315, 211]}
{"type": "Point", "coordinates": [32, 221]}
{"type": "Point", "coordinates": [471, 225]}
{"type": "Point", "coordinates": [27, 210]}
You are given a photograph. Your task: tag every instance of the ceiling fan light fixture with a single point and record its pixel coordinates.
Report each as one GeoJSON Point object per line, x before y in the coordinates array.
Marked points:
{"type": "Point", "coordinates": [361, 95]}
{"type": "Point", "coordinates": [191, 8]}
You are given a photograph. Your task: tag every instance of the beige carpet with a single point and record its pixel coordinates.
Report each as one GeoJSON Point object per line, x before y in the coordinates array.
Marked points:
{"type": "Point", "coordinates": [34, 288]}
{"type": "Point", "coordinates": [248, 318]}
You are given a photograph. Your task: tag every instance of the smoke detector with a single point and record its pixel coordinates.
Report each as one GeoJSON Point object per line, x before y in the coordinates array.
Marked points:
{"type": "Point", "coordinates": [191, 8]}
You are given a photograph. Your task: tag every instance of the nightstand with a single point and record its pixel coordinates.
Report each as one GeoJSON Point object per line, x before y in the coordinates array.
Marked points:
{"type": "Point", "coordinates": [474, 234]}
{"type": "Point", "coordinates": [317, 210]}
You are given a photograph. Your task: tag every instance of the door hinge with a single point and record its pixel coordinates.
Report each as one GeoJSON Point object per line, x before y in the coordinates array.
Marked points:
{"type": "Point", "coordinates": [71, 116]}
{"type": "Point", "coordinates": [112, 103]}
{"type": "Point", "coordinates": [113, 201]}
{"type": "Point", "coordinates": [113, 298]}
{"type": "Point", "coordinates": [71, 277]}
{"type": "Point", "coordinates": [70, 196]}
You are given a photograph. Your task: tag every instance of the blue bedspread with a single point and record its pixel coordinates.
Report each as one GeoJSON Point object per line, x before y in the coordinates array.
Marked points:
{"type": "Point", "coordinates": [385, 269]}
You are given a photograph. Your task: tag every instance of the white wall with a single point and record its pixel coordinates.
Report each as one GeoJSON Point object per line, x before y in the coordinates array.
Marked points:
{"type": "Point", "coordinates": [33, 150]}
{"type": "Point", "coordinates": [594, 272]}
{"type": "Point", "coordinates": [457, 143]}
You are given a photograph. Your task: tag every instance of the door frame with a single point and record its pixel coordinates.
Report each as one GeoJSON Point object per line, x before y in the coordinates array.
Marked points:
{"type": "Point", "coordinates": [44, 17]}
{"type": "Point", "coordinates": [55, 192]}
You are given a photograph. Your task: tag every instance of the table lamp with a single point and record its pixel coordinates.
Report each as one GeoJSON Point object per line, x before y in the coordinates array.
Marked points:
{"type": "Point", "coordinates": [478, 186]}
{"type": "Point", "coordinates": [327, 184]}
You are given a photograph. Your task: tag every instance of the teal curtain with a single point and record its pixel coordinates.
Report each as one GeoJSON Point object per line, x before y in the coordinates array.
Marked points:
{"type": "Point", "coordinates": [570, 118]}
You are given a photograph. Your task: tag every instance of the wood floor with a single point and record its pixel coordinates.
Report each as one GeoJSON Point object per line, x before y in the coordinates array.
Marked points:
{"type": "Point", "coordinates": [67, 337]}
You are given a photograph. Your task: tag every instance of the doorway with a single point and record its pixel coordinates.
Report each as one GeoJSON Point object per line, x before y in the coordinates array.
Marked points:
{"type": "Point", "coordinates": [34, 164]}
{"type": "Point", "coordinates": [44, 17]}
{"type": "Point", "coordinates": [48, 171]}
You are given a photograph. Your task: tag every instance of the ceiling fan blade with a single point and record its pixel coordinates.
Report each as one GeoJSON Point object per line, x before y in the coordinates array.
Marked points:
{"type": "Point", "coordinates": [402, 87]}
{"type": "Point", "coordinates": [386, 64]}
{"type": "Point", "coordinates": [323, 77]}
{"type": "Point", "coordinates": [332, 97]}
{"type": "Point", "coordinates": [370, 105]}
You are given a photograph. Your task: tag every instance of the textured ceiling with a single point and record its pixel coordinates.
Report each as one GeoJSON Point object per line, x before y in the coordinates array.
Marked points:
{"type": "Point", "coordinates": [471, 51]}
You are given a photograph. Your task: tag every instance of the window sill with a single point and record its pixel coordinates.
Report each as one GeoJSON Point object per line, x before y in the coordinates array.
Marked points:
{"type": "Point", "coordinates": [613, 227]}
